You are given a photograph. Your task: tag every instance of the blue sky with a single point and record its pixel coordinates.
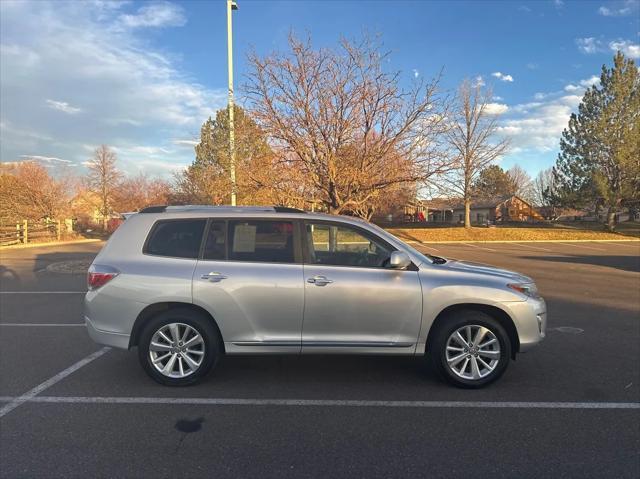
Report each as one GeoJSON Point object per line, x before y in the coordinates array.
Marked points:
{"type": "Point", "coordinates": [143, 76]}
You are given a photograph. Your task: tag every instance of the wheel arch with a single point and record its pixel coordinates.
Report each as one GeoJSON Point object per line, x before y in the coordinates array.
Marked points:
{"type": "Point", "coordinates": [153, 309]}
{"type": "Point", "coordinates": [495, 312]}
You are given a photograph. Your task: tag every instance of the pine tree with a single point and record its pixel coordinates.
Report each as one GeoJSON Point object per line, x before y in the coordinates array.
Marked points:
{"type": "Point", "coordinates": [599, 160]}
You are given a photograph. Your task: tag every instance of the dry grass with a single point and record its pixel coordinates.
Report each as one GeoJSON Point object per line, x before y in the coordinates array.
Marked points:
{"type": "Point", "coordinates": [500, 233]}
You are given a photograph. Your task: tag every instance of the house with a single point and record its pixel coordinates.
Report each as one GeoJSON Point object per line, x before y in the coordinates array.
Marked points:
{"type": "Point", "coordinates": [496, 210]}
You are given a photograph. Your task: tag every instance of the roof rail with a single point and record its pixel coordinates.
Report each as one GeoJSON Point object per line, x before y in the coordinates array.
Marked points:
{"type": "Point", "coordinates": [224, 208]}
{"type": "Point", "coordinates": [286, 209]}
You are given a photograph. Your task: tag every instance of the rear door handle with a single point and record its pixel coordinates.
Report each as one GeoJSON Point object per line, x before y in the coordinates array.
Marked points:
{"type": "Point", "coordinates": [319, 280]}
{"type": "Point", "coordinates": [214, 277]}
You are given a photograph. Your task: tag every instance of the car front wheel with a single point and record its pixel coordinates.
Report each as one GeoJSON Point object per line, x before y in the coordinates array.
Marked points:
{"type": "Point", "coordinates": [470, 349]}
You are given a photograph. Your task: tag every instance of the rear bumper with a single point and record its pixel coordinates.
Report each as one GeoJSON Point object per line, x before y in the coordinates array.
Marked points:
{"type": "Point", "coordinates": [108, 338]}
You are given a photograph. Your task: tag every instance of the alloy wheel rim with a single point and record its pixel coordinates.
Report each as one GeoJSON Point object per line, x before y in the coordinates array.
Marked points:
{"type": "Point", "coordinates": [176, 350]}
{"type": "Point", "coordinates": [472, 352]}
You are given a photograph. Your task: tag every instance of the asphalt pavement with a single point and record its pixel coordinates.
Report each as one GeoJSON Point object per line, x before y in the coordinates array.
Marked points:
{"type": "Point", "coordinates": [569, 408]}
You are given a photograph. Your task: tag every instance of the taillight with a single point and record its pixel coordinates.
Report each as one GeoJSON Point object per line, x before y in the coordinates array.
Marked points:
{"type": "Point", "coordinates": [98, 276]}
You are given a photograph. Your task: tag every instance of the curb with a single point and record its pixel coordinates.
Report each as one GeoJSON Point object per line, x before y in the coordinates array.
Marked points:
{"type": "Point", "coordinates": [526, 241]}
{"type": "Point", "coordinates": [52, 243]}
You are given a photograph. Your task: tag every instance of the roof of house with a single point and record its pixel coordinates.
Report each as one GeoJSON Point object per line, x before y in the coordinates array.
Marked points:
{"type": "Point", "coordinates": [458, 204]}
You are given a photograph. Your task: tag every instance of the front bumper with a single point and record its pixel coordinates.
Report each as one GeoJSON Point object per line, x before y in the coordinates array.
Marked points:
{"type": "Point", "coordinates": [530, 318]}
{"type": "Point", "coordinates": [108, 338]}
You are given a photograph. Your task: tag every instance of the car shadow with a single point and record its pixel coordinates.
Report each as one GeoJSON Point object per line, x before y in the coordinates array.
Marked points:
{"type": "Point", "coordinates": [624, 263]}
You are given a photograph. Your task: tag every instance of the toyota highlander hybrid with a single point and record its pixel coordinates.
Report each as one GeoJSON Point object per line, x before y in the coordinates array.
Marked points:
{"type": "Point", "coordinates": [187, 284]}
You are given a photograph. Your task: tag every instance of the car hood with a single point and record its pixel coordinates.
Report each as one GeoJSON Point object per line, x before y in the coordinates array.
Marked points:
{"type": "Point", "coordinates": [484, 269]}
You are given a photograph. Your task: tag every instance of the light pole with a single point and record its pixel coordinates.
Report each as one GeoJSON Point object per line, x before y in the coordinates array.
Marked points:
{"type": "Point", "coordinates": [231, 5]}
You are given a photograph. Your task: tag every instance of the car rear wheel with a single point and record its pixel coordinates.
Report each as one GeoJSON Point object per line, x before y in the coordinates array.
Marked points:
{"type": "Point", "coordinates": [470, 349]}
{"type": "Point", "coordinates": [178, 347]}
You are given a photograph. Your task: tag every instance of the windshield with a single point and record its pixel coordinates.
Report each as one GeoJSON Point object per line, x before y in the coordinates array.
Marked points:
{"type": "Point", "coordinates": [425, 257]}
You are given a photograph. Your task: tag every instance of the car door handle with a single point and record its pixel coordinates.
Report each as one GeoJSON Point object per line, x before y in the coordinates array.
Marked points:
{"type": "Point", "coordinates": [214, 277]}
{"type": "Point", "coordinates": [319, 280]}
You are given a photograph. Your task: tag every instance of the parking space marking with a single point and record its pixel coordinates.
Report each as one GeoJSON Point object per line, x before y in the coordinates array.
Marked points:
{"type": "Point", "coordinates": [479, 247]}
{"type": "Point", "coordinates": [43, 292]}
{"type": "Point", "coordinates": [30, 395]}
{"type": "Point", "coordinates": [428, 247]}
{"type": "Point", "coordinates": [582, 246]}
{"type": "Point", "coordinates": [327, 402]}
{"type": "Point", "coordinates": [43, 325]}
{"type": "Point", "coordinates": [532, 247]}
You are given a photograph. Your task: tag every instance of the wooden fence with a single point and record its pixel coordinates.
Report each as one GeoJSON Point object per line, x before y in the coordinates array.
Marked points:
{"type": "Point", "coordinates": [23, 232]}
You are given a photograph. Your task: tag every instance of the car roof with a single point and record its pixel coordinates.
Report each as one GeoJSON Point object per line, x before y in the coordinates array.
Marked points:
{"type": "Point", "coordinates": [192, 211]}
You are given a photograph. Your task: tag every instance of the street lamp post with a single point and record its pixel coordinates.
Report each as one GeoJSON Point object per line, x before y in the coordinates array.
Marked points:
{"type": "Point", "coordinates": [231, 5]}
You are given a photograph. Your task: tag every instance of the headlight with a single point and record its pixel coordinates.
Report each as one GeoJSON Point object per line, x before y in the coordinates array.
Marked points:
{"type": "Point", "coordinates": [528, 289]}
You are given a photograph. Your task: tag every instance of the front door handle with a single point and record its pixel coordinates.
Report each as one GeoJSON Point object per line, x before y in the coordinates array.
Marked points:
{"type": "Point", "coordinates": [214, 277]}
{"type": "Point", "coordinates": [319, 280]}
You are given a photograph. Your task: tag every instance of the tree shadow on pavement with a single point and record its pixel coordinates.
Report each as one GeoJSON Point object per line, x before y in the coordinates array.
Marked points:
{"type": "Point", "coordinates": [624, 263]}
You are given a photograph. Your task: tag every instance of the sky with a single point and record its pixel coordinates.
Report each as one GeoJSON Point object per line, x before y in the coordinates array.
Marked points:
{"type": "Point", "coordinates": [142, 77]}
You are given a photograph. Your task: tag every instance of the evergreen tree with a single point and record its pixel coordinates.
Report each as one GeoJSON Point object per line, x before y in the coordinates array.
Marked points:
{"type": "Point", "coordinates": [493, 182]}
{"type": "Point", "coordinates": [599, 160]}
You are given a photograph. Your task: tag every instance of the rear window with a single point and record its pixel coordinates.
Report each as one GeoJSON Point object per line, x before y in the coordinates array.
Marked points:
{"type": "Point", "coordinates": [177, 238]}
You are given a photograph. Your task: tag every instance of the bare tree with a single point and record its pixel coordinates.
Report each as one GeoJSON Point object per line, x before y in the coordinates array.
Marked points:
{"type": "Point", "coordinates": [103, 178]}
{"type": "Point", "coordinates": [473, 142]}
{"type": "Point", "coordinates": [135, 192]}
{"type": "Point", "coordinates": [522, 182]}
{"type": "Point", "coordinates": [28, 191]}
{"type": "Point", "coordinates": [340, 119]}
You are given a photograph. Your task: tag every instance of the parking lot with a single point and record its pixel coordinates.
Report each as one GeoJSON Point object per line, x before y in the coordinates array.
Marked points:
{"type": "Point", "coordinates": [570, 408]}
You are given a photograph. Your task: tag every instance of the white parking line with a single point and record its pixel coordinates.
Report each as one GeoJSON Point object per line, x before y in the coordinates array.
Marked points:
{"type": "Point", "coordinates": [582, 246]}
{"type": "Point", "coordinates": [479, 247]}
{"type": "Point", "coordinates": [531, 247]}
{"type": "Point", "coordinates": [39, 325]}
{"type": "Point", "coordinates": [42, 292]}
{"type": "Point", "coordinates": [328, 402]}
{"type": "Point", "coordinates": [30, 395]}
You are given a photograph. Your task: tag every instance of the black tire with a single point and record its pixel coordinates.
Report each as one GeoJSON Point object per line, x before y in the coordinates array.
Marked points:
{"type": "Point", "coordinates": [198, 321]}
{"type": "Point", "coordinates": [437, 354]}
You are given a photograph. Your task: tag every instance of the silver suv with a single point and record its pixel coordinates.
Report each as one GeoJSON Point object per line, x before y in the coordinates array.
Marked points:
{"type": "Point", "coordinates": [186, 284]}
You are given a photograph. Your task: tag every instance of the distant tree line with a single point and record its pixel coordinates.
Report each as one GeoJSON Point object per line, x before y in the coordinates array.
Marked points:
{"type": "Point", "coordinates": [332, 129]}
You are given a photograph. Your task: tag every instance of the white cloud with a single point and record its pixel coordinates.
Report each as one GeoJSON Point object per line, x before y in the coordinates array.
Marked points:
{"type": "Point", "coordinates": [620, 9]}
{"type": "Point", "coordinates": [45, 159]}
{"type": "Point", "coordinates": [582, 85]}
{"type": "Point", "coordinates": [502, 76]}
{"type": "Point", "coordinates": [588, 45]}
{"type": "Point", "coordinates": [630, 49]}
{"type": "Point", "coordinates": [186, 143]}
{"type": "Point", "coordinates": [161, 14]}
{"type": "Point", "coordinates": [532, 66]}
{"type": "Point", "coordinates": [496, 108]}
{"type": "Point", "coordinates": [416, 73]}
{"type": "Point", "coordinates": [63, 106]}
{"type": "Point", "coordinates": [479, 81]}
{"type": "Point", "coordinates": [535, 128]}
{"type": "Point", "coordinates": [558, 4]}
{"type": "Point", "coordinates": [60, 56]}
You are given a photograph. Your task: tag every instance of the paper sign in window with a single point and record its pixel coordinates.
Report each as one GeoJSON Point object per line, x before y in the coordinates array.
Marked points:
{"type": "Point", "coordinates": [244, 239]}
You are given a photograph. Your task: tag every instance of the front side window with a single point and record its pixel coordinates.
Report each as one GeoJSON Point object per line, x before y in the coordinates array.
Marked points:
{"type": "Point", "coordinates": [261, 241]}
{"type": "Point", "coordinates": [176, 238]}
{"type": "Point", "coordinates": [344, 246]}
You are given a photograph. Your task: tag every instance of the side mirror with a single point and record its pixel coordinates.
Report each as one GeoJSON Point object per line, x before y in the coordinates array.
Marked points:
{"type": "Point", "coordinates": [399, 260]}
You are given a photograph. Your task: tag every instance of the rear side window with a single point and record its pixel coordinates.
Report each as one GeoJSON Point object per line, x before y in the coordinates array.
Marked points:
{"type": "Point", "coordinates": [177, 238]}
{"type": "Point", "coordinates": [261, 241]}
{"type": "Point", "coordinates": [215, 246]}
